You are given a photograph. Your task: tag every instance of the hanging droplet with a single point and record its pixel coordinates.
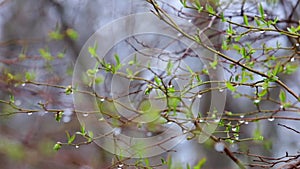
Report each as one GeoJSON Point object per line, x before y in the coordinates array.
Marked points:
{"type": "Point", "coordinates": [292, 59]}
{"type": "Point", "coordinates": [23, 84]}
{"type": "Point", "coordinates": [120, 165]}
{"type": "Point", "coordinates": [18, 102]}
{"type": "Point", "coordinates": [271, 119]}
{"type": "Point", "coordinates": [190, 99]}
{"type": "Point", "coordinates": [236, 137]}
{"type": "Point", "coordinates": [217, 120]}
{"type": "Point", "coordinates": [29, 114]}
{"type": "Point", "coordinates": [261, 32]}
{"type": "Point", "coordinates": [46, 112]}
{"type": "Point", "coordinates": [221, 90]}
{"type": "Point", "coordinates": [190, 20]}
{"type": "Point", "coordinates": [170, 86]}
{"type": "Point", "coordinates": [246, 122]}
{"type": "Point", "coordinates": [149, 134]}
{"type": "Point", "coordinates": [234, 129]}
{"type": "Point", "coordinates": [201, 120]}
{"type": "Point", "coordinates": [219, 147]}
{"type": "Point", "coordinates": [101, 119]}
{"type": "Point", "coordinates": [199, 96]}
{"type": "Point", "coordinates": [256, 101]}
{"type": "Point", "coordinates": [66, 119]}
{"type": "Point", "coordinates": [242, 116]}
{"type": "Point", "coordinates": [281, 106]}
{"type": "Point", "coordinates": [241, 121]}
{"type": "Point", "coordinates": [178, 34]}
{"type": "Point", "coordinates": [85, 114]}
{"type": "Point", "coordinates": [117, 131]}
{"type": "Point", "coordinates": [297, 44]}
{"type": "Point", "coordinates": [77, 146]}
{"type": "Point", "coordinates": [102, 100]}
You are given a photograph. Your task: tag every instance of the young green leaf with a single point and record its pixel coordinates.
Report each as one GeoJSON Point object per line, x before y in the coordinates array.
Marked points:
{"type": "Point", "coordinates": [282, 96]}
{"type": "Point", "coordinates": [72, 34]}
{"type": "Point", "coordinates": [57, 146]}
{"type": "Point", "coordinates": [230, 86]}
{"type": "Point", "coordinates": [246, 20]}
{"type": "Point", "coordinates": [261, 11]}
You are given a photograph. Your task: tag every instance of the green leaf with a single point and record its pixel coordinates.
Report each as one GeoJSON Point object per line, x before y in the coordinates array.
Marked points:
{"type": "Point", "coordinates": [71, 139]}
{"type": "Point", "coordinates": [282, 96]}
{"type": "Point", "coordinates": [263, 93]}
{"type": "Point", "coordinates": [188, 166]}
{"type": "Point", "coordinates": [214, 63]}
{"type": "Point", "coordinates": [183, 2]}
{"type": "Point", "coordinates": [277, 69]}
{"type": "Point", "coordinates": [230, 86]}
{"type": "Point", "coordinates": [29, 76]}
{"type": "Point", "coordinates": [57, 146]}
{"type": "Point", "coordinates": [93, 50]}
{"type": "Point", "coordinates": [169, 67]}
{"type": "Point", "coordinates": [58, 116]}
{"type": "Point", "coordinates": [261, 11]}
{"type": "Point", "coordinates": [45, 54]}
{"type": "Point", "coordinates": [82, 130]}
{"type": "Point", "coordinates": [72, 34]}
{"type": "Point", "coordinates": [210, 9]}
{"type": "Point", "coordinates": [290, 68]}
{"type": "Point", "coordinates": [148, 90]}
{"type": "Point", "coordinates": [56, 35]}
{"type": "Point", "coordinates": [246, 20]}
{"type": "Point", "coordinates": [12, 98]}
{"type": "Point", "coordinates": [157, 80]}
{"type": "Point", "coordinates": [200, 163]}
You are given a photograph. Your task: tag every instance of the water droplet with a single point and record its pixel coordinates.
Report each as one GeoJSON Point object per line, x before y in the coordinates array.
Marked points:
{"type": "Point", "coordinates": [216, 120]}
{"type": "Point", "coordinates": [85, 114]}
{"type": "Point", "coordinates": [18, 102]}
{"type": "Point", "coordinates": [201, 120]}
{"type": "Point", "coordinates": [219, 147]}
{"type": "Point", "coordinates": [77, 146]}
{"type": "Point", "coordinates": [242, 116]}
{"type": "Point", "coordinates": [120, 165]}
{"type": "Point", "coordinates": [256, 101]}
{"type": "Point", "coordinates": [68, 112]}
{"type": "Point", "coordinates": [23, 84]}
{"type": "Point", "coordinates": [261, 32]}
{"type": "Point", "coordinates": [281, 106]}
{"type": "Point", "coordinates": [29, 114]}
{"type": "Point", "coordinates": [178, 34]}
{"type": "Point", "coordinates": [149, 134]}
{"type": "Point", "coordinates": [190, 20]}
{"type": "Point", "coordinates": [101, 119]}
{"type": "Point", "coordinates": [246, 122]}
{"type": "Point", "coordinates": [102, 100]}
{"type": "Point", "coordinates": [221, 90]}
{"type": "Point", "coordinates": [46, 112]}
{"type": "Point", "coordinates": [190, 99]}
{"type": "Point", "coordinates": [242, 121]}
{"type": "Point", "coordinates": [271, 118]}
{"type": "Point", "coordinates": [234, 129]}
{"type": "Point", "coordinates": [199, 96]}
{"type": "Point", "coordinates": [234, 147]}
{"type": "Point", "coordinates": [236, 137]}
{"type": "Point", "coordinates": [297, 44]}
{"type": "Point", "coordinates": [292, 59]}
{"type": "Point", "coordinates": [66, 119]}
{"type": "Point", "coordinates": [117, 131]}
